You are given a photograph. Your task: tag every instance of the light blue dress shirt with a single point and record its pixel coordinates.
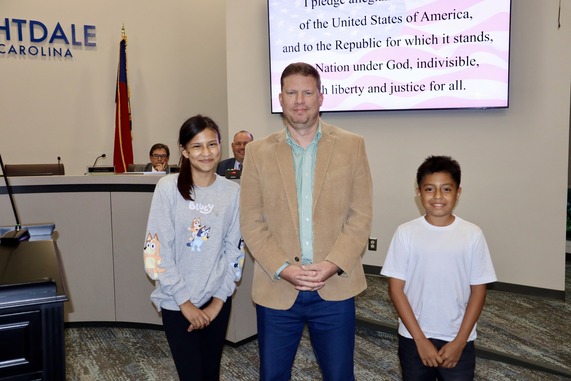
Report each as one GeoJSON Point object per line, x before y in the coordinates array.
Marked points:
{"type": "Point", "coordinates": [304, 170]}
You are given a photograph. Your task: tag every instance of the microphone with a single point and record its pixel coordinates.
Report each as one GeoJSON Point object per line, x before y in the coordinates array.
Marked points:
{"type": "Point", "coordinates": [101, 169]}
{"type": "Point", "coordinates": [60, 170]}
{"type": "Point", "coordinates": [99, 157]}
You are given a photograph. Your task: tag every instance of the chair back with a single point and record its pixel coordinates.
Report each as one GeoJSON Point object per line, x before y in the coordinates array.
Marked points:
{"type": "Point", "coordinates": [34, 170]}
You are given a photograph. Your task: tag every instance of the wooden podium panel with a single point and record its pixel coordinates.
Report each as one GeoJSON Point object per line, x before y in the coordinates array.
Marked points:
{"type": "Point", "coordinates": [32, 295]}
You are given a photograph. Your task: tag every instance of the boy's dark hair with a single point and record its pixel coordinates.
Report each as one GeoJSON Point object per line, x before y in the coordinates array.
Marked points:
{"type": "Point", "coordinates": [434, 164]}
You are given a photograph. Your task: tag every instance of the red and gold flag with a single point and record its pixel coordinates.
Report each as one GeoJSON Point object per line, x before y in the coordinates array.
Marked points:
{"type": "Point", "coordinates": [123, 148]}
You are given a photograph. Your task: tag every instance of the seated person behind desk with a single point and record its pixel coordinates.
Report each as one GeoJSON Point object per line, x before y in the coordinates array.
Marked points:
{"type": "Point", "coordinates": [159, 156]}
{"type": "Point", "coordinates": [241, 138]}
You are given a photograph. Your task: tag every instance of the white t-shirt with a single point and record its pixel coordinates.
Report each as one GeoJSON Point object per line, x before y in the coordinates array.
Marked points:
{"type": "Point", "coordinates": [438, 265]}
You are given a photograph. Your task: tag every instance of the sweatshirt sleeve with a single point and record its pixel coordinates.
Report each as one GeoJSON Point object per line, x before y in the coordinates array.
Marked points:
{"type": "Point", "coordinates": [159, 255]}
{"type": "Point", "coordinates": [233, 252]}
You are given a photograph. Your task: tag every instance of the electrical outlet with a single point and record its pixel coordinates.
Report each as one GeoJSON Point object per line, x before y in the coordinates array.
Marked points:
{"type": "Point", "coordinates": [372, 244]}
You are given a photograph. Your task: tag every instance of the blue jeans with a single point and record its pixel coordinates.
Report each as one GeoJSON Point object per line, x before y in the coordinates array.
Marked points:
{"type": "Point", "coordinates": [414, 370]}
{"type": "Point", "coordinates": [331, 328]}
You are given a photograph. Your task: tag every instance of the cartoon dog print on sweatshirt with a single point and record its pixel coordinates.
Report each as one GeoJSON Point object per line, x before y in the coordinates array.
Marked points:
{"type": "Point", "coordinates": [152, 256]}
{"type": "Point", "coordinates": [198, 235]}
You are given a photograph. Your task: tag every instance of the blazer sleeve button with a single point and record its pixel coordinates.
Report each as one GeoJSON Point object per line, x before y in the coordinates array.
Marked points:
{"type": "Point", "coordinates": [296, 259]}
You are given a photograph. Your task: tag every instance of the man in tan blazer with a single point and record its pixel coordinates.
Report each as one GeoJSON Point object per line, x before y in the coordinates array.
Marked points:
{"type": "Point", "coordinates": [306, 209]}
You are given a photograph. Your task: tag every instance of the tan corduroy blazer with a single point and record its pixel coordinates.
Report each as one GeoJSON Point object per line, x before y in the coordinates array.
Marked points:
{"type": "Point", "coordinates": [342, 213]}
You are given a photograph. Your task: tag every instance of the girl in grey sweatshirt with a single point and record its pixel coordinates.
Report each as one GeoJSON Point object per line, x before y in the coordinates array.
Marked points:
{"type": "Point", "coordinates": [194, 252]}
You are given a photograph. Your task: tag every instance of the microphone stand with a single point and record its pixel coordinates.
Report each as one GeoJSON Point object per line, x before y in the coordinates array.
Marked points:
{"type": "Point", "coordinates": [98, 157]}
{"type": "Point", "coordinates": [12, 237]}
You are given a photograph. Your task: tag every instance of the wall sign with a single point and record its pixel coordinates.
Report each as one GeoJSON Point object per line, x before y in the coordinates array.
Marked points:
{"type": "Point", "coordinates": [20, 37]}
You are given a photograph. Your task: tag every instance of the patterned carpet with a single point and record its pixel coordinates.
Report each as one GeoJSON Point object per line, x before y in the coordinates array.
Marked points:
{"type": "Point", "coordinates": [512, 328]}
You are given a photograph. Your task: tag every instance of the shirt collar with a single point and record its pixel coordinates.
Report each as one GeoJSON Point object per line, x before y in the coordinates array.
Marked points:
{"type": "Point", "coordinates": [292, 143]}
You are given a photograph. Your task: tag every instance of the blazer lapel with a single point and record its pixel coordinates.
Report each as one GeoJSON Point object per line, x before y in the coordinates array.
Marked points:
{"type": "Point", "coordinates": [324, 151]}
{"type": "Point", "coordinates": [285, 166]}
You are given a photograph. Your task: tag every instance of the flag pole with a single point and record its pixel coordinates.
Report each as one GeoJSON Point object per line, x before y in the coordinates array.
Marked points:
{"type": "Point", "coordinates": [123, 146]}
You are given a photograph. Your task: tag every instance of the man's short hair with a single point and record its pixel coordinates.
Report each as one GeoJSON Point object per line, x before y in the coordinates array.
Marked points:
{"type": "Point", "coordinates": [244, 132]}
{"type": "Point", "coordinates": [301, 68]}
{"type": "Point", "coordinates": [159, 146]}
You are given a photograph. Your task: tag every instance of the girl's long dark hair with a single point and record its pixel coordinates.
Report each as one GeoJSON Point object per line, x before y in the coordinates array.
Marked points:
{"type": "Point", "coordinates": [189, 129]}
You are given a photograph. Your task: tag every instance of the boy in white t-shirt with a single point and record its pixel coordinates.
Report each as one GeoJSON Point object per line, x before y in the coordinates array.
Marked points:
{"type": "Point", "coordinates": [438, 266]}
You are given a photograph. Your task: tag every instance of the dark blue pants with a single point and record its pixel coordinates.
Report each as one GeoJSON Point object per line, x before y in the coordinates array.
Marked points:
{"type": "Point", "coordinates": [196, 354]}
{"type": "Point", "coordinates": [331, 328]}
{"type": "Point", "coordinates": [414, 370]}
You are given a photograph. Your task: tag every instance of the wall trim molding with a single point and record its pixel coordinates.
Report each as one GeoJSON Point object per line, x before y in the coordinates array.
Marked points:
{"type": "Point", "coordinates": [497, 286]}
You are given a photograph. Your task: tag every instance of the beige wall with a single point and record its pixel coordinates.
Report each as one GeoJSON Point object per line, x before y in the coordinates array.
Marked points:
{"type": "Point", "coordinates": [53, 107]}
{"type": "Point", "coordinates": [514, 160]}
{"type": "Point", "coordinates": [211, 57]}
